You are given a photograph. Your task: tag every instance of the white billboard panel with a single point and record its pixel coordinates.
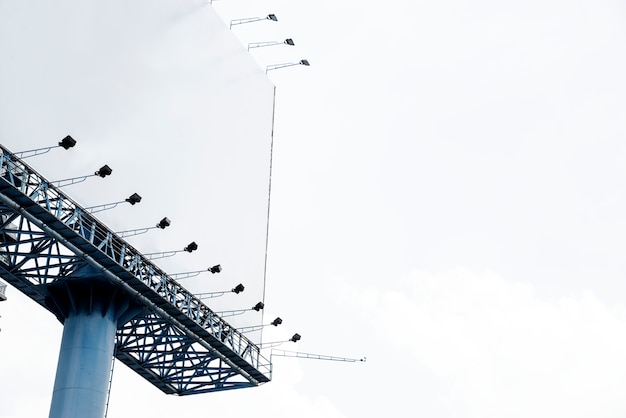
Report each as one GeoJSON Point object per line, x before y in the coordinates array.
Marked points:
{"type": "Point", "coordinates": [165, 95]}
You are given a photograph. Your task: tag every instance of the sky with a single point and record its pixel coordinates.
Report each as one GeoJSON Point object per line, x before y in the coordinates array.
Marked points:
{"type": "Point", "coordinates": [446, 192]}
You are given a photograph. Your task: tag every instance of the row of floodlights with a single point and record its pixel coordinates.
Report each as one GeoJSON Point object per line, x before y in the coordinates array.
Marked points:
{"type": "Point", "coordinates": [272, 18]}
{"type": "Point", "coordinates": [104, 171]}
{"type": "Point", "coordinates": [257, 308]}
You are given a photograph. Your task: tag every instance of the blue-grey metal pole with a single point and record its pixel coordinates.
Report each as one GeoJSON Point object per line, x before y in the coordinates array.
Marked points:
{"type": "Point", "coordinates": [84, 367]}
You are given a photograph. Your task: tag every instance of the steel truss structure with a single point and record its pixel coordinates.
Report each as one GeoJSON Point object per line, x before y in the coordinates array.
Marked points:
{"type": "Point", "coordinates": [165, 333]}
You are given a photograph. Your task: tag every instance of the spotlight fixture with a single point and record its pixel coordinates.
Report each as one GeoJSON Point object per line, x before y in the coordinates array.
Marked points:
{"type": "Point", "coordinates": [192, 246]}
{"type": "Point", "coordinates": [163, 223]}
{"type": "Point", "coordinates": [104, 171]}
{"type": "Point", "coordinates": [133, 198]}
{"type": "Point", "coordinates": [67, 142]}
{"type": "Point", "coordinates": [258, 306]}
{"type": "Point", "coordinates": [215, 269]}
{"type": "Point", "coordinates": [276, 322]}
{"type": "Point", "coordinates": [238, 289]}
{"type": "Point", "coordinates": [295, 338]}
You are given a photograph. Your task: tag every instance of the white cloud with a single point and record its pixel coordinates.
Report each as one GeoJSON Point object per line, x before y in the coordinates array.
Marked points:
{"type": "Point", "coordinates": [502, 350]}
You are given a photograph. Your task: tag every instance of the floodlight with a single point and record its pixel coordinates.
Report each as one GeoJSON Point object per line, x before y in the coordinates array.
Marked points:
{"type": "Point", "coordinates": [104, 171]}
{"type": "Point", "coordinates": [133, 198]}
{"type": "Point", "coordinates": [238, 289]}
{"type": "Point", "coordinates": [258, 306]}
{"type": "Point", "coordinates": [215, 269]}
{"type": "Point", "coordinates": [276, 322]}
{"type": "Point", "coordinates": [67, 142]}
{"type": "Point", "coordinates": [192, 246]}
{"type": "Point", "coordinates": [163, 223]}
{"type": "Point", "coordinates": [295, 338]}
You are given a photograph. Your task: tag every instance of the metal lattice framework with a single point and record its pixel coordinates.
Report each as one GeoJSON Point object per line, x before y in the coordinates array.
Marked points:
{"type": "Point", "coordinates": [176, 342]}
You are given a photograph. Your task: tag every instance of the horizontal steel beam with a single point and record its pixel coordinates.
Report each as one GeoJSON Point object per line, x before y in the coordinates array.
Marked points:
{"type": "Point", "coordinates": [45, 237]}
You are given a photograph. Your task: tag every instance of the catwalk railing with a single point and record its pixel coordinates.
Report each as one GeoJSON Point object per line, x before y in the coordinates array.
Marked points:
{"type": "Point", "coordinates": [57, 231]}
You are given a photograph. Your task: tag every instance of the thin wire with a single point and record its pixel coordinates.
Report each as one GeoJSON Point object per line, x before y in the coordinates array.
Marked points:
{"type": "Point", "coordinates": [269, 195]}
{"type": "Point", "coordinates": [106, 410]}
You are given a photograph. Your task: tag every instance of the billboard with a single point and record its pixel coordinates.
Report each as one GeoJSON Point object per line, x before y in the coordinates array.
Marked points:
{"type": "Point", "coordinates": [168, 97]}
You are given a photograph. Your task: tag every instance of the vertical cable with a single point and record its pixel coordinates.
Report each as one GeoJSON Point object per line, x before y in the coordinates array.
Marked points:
{"type": "Point", "coordinates": [269, 195]}
{"type": "Point", "coordinates": [106, 408]}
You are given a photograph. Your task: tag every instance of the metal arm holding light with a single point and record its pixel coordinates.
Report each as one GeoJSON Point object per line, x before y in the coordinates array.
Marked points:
{"type": "Point", "coordinates": [208, 295]}
{"type": "Point", "coordinates": [256, 307]}
{"type": "Point", "coordinates": [270, 16]}
{"type": "Point", "coordinates": [276, 322]}
{"type": "Point", "coordinates": [163, 223]}
{"type": "Point", "coordinates": [288, 64]}
{"type": "Point", "coordinates": [287, 41]}
{"type": "Point", "coordinates": [191, 247]}
{"type": "Point", "coordinates": [179, 276]}
{"type": "Point", "coordinates": [66, 143]}
{"type": "Point", "coordinates": [283, 353]}
{"type": "Point", "coordinates": [132, 199]}
{"type": "Point", "coordinates": [295, 338]}
{"type": "Point", "coordinates": [104, 171]}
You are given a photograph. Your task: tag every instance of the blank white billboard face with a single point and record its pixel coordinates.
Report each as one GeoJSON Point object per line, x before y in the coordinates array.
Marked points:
{"type": "Point", "coordinates": [165, 95]}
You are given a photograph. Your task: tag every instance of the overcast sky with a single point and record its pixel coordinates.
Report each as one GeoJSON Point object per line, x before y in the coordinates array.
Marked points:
{"type": "Point", "coordinates": [447, 192]}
